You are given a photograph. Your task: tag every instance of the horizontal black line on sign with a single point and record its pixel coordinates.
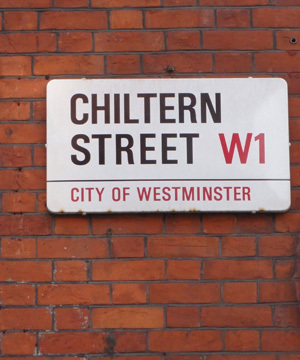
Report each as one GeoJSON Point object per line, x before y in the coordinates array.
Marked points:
{"type": "Point", "coordinates": [116, 180]}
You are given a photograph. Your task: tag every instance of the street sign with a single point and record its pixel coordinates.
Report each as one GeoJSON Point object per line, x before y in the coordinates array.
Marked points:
{"type": "Point", "coordinates": [147, 145]}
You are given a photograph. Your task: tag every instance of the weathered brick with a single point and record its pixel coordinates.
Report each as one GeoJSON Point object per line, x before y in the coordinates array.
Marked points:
{"type": "Point", "coordinates": [128, 341]}
{"type": "Point", "coordinates": [39, 156]}
{"type": "Point", "coordinates": [280, 340]}
{"type": "Point", "coordinates": [71, 225]}
{"type": "Point", "coordinates": [15, 156]}
{"type": "Point", "coordinates": [69, 64]}
{"type": "Point", "coordinates": [20, 248]}
{"type": "Point", "coordinates": [123, 64]}
{"type": "Point", "coordinates": [240, 292]}
{"type": "Point", "coordinates": [15, 65]}
{"type": "Point", "coordinates": [26, 225]}
{"type": "Point", "coordinates": [11, 294]}
{"type": "Point", "coordinates": [183, 269]}
{"type": "Point", "coordinates": [238, 269]}
{"type": "Point", "coordinates": [288, 222]}
{"type": "Point", "coordinates": [129, 293]}
{"type": "Point", "coordinates": [128, 270]}
{"type": "Point", "coordinates": [23, 88]}
{"type": "Point", "coordinates": [234, 2]}
{"type": "Point", "coordinates": [286, 316]}
{"type": "Point", "coordinates": [22, 133]}
{"type": "Point", "coordinates": [25, 271]}
{"type": "Point", "coordinates": [219, 224]}
{"type": "Point", "coordinates": [14, 110]}
{"type": "Point", "coordinates": [182, 341]}
{"type": "Point", "coordinates": [72, 342]}
{"type": "Point", "coordinates": [25, 319]}
{"type": "Point", "coordinates": [233, 62]}
{"type": "Point", "coordinates": [75, 20]}
{"type": "Point", "coordinates": [255, 224]}
{"type": "Point", "coordinates": [284, 269]}
{"type": "Point", "coordinates": [71, 3]}
{"type": "Point", "coordinates": [128, 317]}
{"type": "Point", "coordinates": [75, 42]}
{"type": "Point", "coordinates": [277, 62]}
{"type": "Point", "coordinates": [85, 248]}
{"type": "Point", "coordinates": [74, 270]}
{"type": "Point", "coordinates": [20, 20]}
{"type": "Point", "coordinates": [18, 202]}
{"type": "Point", "coordinates": [236, 316]}
{"type": "Point", "coordinates": [124, 3]}
{"type": "Point", "coordinates": [183, 246]}
{"type": "Point", "coordinates": [27, 42]}
{"type": "Point", "coordinates": [71, 318]}
{"type": "Point", "coordinates": [161, 19]}
{"type": "Point", "coordinates": [238, 246]}
{"type": "Point", "coordinates": [70, 294]}
{"type": "Point", "coordinates": [276, 18]}
{"type": "Point", "coordinates": [181, 293]}
{"type": "Point", "coordinates": [280, 245]}
{"type": "Point", "coordinates": [129, 41]}
{"type": "Point", "coordinates": [128, 247]}
{"type": "Point", "coordinates": [18, 343]}
{"type": "Point", "coordinates": [277, 292]}
{"type": "Point", "coordinates": [182, 63]}
{"type": "Point", "coordinates": [186, 316]}
{"type": "Point", "coordinates": [182, 224]}
{"type": "Point", "coordinates": [126, 19]}
{"type": "Point", "coordinates": [39, 110]}
{"type": "Point", "coordinates": [183, 40]}
{"type": "Point", "coordinates": [284, 40]}
{"type": "Point", "coordinates": [242, 340]}
{"type": "Point", "coordinates": [233, 18]}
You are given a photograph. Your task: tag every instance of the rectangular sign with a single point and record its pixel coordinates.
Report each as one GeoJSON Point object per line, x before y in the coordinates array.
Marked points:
{"type": "Point", "coordinates": [147, 145]}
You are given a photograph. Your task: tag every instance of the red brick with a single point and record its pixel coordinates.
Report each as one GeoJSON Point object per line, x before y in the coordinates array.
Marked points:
{"type": "Point", "coordinates": [182, 224]}
{"type": "Point", "coordinates": [123, 64]}
{"type": "Point", "coordinates": [182, 293]}
{"type": "Point", "coordinates": [25, 271]}
{"type": "Point", "coordinates": [184, 357]}
{"type": "Point", "coordinates": [166, 19]}
{"type": "Point", "coordinates": [27, 42]}
{"type": "Point", "coordinates": [75, 20]}
{"type": "Point", "coordinates": [128, 317]}
{"type": "Point", "coordinates": [182, 62]}
{"type": "Point", "coordinates": [234, 2]}
{"type": "Point", "coordinates": [14, 110]}
{"type": "Point", "coordinates": [39, 110]}
{"type": "Point", "coordinates": [276, 18]}
{"type": "Point", "coordinates": [70, 294]}
{"type": "Point", "coordinates": [277, 62]}
{"type": "Point", "coordinates": [135, 358]}
{"type": "Point", "coordinates": [18, 343]}
{"type": "Point", "coordinates": [71, 318]}
{"type": "Point", "coordinates": [238, 269]}
{"type": "Point", "coordinates": [279, 340]}
{"type": "Point", "coordinates": [183, 40]}
{"type": "Point", "coordinates": [242, 340]}
{"type": "Point", "coordinates": [219, 224]}
{"type": "Point", "coordinates": [289, 357]}
{"type": "Point", "coordinates": [180, 2]}
{"type": "Point", "coordinates": [233, 62]}
{"type": "Point", "coordinates": [294, 129]}
{"type": "Point", "coordinates": [71, 3]}
{"type": "Point", "coordinates": [129, 294]}
{"type": "Point", "coordinates": [72, 343]}
{"type": "Point", "coordinates": [71, 225]}
{"type": "Point", "coordinates": [183, 341]}
{"type": "Point", "coordinates": [31, 180]}
{"type": "Point", "coordinates": [292, 80]}
{"type": "Point", "coordinates": [128, 341]}
{"type": "Point", "coordinates": [240, 292]}
{"type": "Point", "coordinates": [39, 158]}
{"type": "Point", "coordinates": [287, 316]}
{"type": "Point", "coordinates": [75, 42]}
{"type": "Point", "coordinates": [69, 64]}
{"type": "Point", "coordinates": [183, 269]}
{"type": "Point", "coordinates": [284, 269]}
{"type": "Point", "coordinates": [288, 222]}
{"type": "Point", "coordinates": [126, 19]}
{"type": "Point", "coordinates": [127, 247]}
{"type": "Point", "coordinates": [15, 65]}
{"type": "Point", "coordinates": [124, 3]}
{"type": "Point", "coordinates": [295, 175]}
{"type": "Point", "coordinates": [42, 203]}
{"type": "Point", "coordinates": [236, 316]}
{"type": "Point", "coordinates": [255, 223]}
{"type": "Point", "coordinates": [22, 133]}
{"type": "Point", "coordinates": [233, 18]}
{"type": "Point", "coordinates": [285, 3]}
{"type": "Point", "coordinates": [129, 41]}
{"type": "Point", "coordinates": [25, 225]}
{"type": "Point", "coordinates": [22, 88]}
{"type": "Point", "coordinates": [127, 224]}
{"type": "Point", "coordinates": [85, 248]}
{"type": "Point", "coordinates": [20, 20]}
{"type": "Point", "coordinates": [17, 294]}
{"type": "Point", "coordinates": [18, 202]}
{"type": "Point", "coordinates": [283, 39]}
{"type": "Point", "coordinates": [15, 156]}
{"type": "Point", "coordinates": [237, 40]}
{"type": "Point", "coordinates": [238, 246]}
{"type": "Point", "coordinates": [74, 270]}
{"type": "Point", "coordinates": [183, 316]}
{"type": "Point", "coordinates": [29, 319]}
{"type": "Point", "coordinates": [18, 248]}
{"type": "Point", "coordinates": [25, 4]}
{"type": "Point", "coordinates": [284, 245]}
{"type": "Point", "coordinates": [128, 270]}
{"type": "Point", "coordinates": [182, 246]}
{"type": "Point", "coordinates": [277, 292]}
{"type": "Point", "coordinates": [295, 153]}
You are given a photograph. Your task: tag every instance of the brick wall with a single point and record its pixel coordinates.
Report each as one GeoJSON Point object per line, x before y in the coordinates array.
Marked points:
{"type": "Point", "coordinates": [154, 286]}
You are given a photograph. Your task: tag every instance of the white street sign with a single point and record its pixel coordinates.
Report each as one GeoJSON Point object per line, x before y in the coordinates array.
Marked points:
{"type": "Point", "coordinates": [147, 145]}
